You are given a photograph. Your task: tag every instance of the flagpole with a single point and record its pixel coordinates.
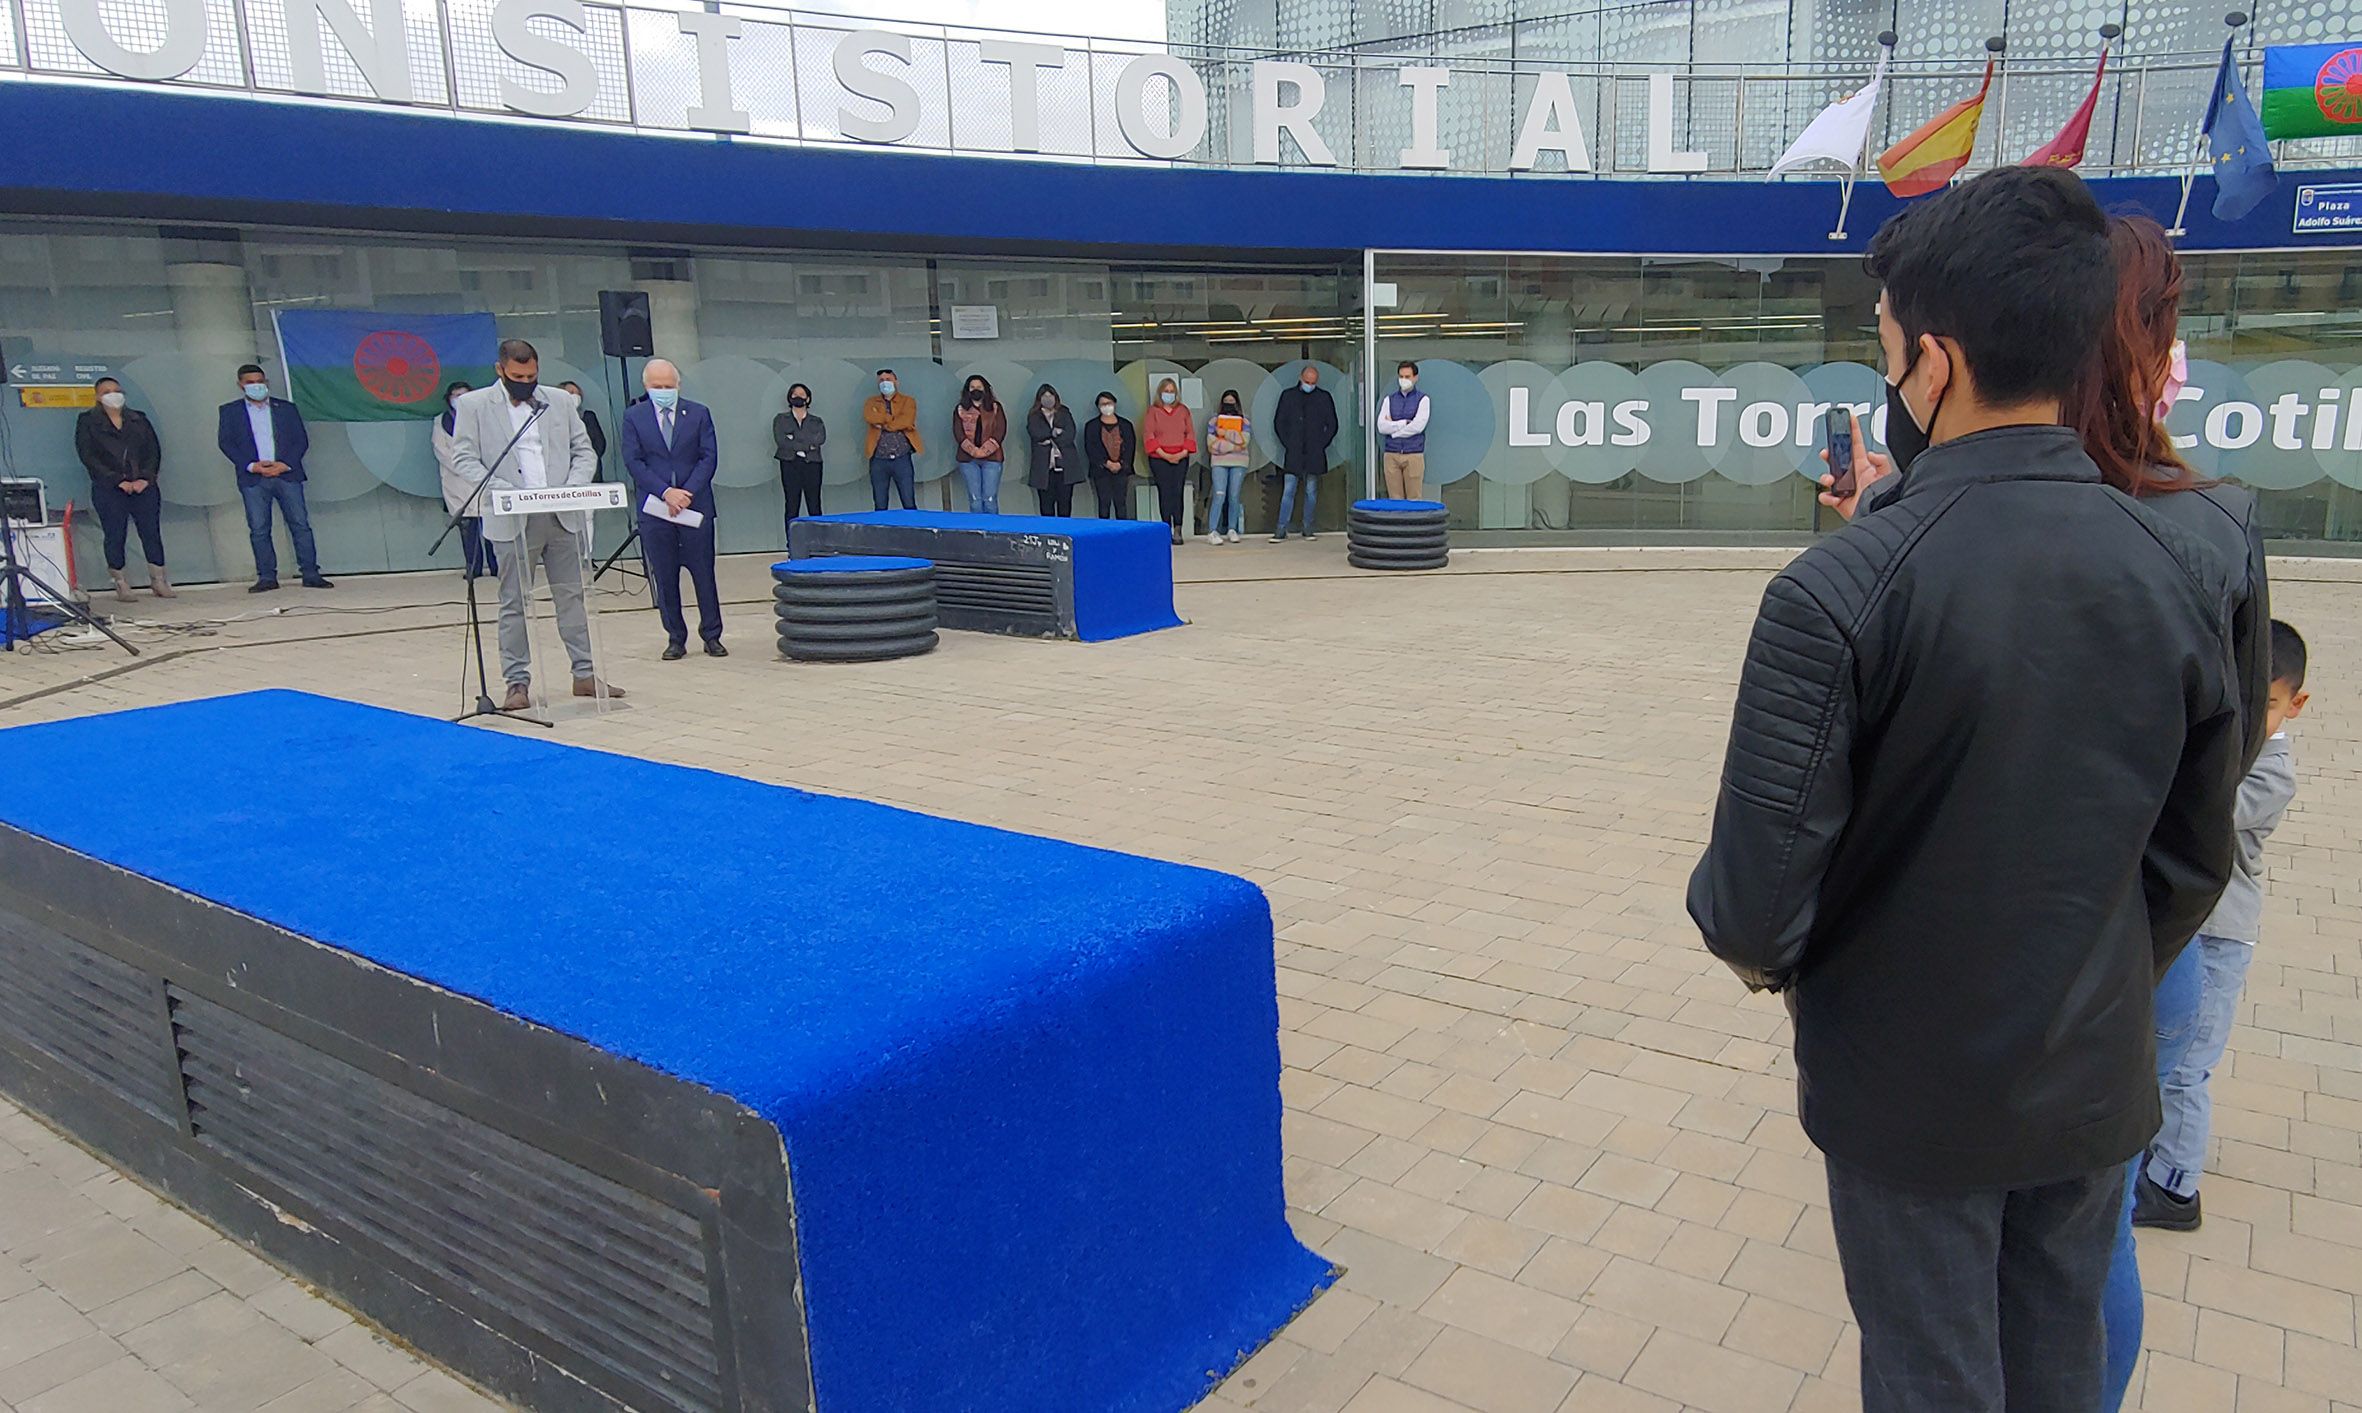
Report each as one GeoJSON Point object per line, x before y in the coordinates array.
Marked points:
{"type": "Point", "coordinates": [2234, 19]}
{"type": "Point", "coordinates": [1853, 174]}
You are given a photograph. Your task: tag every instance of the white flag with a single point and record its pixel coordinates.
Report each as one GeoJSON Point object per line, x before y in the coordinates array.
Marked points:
{"type": "Point", "coordinates": [1838, 133]}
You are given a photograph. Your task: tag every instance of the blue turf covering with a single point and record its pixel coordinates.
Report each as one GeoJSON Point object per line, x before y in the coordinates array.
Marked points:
{"type": "Point", "coordinates": [1030, 1090]}
{"type": "Point", "coordinates": [851, 564]}
{"type": "Point", "coordinates": [1123, 569]}
{"type": "Point", "coordinates": [1397, 506]}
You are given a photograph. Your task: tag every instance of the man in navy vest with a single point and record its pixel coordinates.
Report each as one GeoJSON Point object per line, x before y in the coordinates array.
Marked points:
{"type": "Point", "coordinates": [668, 446]}
{"type": "Point", "coordinates": [264, 438]}
{"type": "Point", "coordinates": [1402, 432]}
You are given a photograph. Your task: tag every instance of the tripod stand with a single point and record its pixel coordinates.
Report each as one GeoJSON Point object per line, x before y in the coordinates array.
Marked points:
{"type": "Point", "coordinates": [484, 705]}
{"type": "Point", "coordinates": [632, 536]}
{"type": "Point", "coordinates": [16, 603]}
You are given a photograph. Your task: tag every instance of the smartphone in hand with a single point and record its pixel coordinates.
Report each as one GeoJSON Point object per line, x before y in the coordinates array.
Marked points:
{"type": "Point", "coordinates": [1839, 423]}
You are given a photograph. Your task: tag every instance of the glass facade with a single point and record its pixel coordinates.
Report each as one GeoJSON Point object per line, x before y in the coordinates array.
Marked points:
{"type": "Point", "coordinates": [173, 312]}
{"type": "Point", "coordinates": [1576, 399]}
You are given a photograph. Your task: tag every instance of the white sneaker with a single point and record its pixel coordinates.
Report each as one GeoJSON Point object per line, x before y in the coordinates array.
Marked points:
{"type": "Point", "coordinates": [1214, 538]}
{"type": "Point", "coordinates": [1311, 535]}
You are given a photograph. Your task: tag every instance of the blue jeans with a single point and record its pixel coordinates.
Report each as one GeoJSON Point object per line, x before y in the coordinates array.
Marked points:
{"type": "Point", "coordinates": [2178, 1000]}
{"type": "Point", "coordinates": [895, 471]}
{"type": "Point", "coordinates": [265, 492]}
{"type": "Point", "coordinates": [1287, 502]}
{"type": "Point", "coordinates": [2178, 1156]}
{"type": "Point", "coordinates": [1228, 500]}
{"type": "Point", "coordinates": [984, 486]}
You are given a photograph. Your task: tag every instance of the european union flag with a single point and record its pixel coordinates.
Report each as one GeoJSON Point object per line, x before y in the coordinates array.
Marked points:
{"type": "Point", "coordinates": [2235, 146]}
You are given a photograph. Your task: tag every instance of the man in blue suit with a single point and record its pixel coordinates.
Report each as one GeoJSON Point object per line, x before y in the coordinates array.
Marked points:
{"type": "Point", "coordinates": [264, 438]}
{"type": "Point", "coordinates": [668, 446]}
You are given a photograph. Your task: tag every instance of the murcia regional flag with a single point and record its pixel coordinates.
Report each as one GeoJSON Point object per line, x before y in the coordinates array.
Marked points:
{"type": "Point", "coordinates": [357, 365]}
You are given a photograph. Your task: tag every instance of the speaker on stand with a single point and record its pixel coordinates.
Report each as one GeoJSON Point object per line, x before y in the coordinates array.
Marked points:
{"type": "Point", "coordinates": [625, 333]}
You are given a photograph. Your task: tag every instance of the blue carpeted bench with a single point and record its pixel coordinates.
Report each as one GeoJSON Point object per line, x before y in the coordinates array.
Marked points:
{"type": "Point", "coordinates": [614, 1084]}
{"type": "Point", "coordinates": [1035, 576]}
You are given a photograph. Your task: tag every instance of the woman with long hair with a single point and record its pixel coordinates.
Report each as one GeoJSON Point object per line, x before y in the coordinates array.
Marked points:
{"type": "Point", "coordinates": [1057, 461]}
{"type": "Point", "coordinates": [2120, 411]}
{"type": "Point", "coordinates": [979, 427]}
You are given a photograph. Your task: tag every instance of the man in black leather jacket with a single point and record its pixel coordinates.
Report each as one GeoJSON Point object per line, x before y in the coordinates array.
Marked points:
{"type": "Point", "coordinates": [1978, 795]}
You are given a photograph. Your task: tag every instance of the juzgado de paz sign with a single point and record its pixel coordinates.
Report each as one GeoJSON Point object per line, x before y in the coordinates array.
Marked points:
{"type": "Point", "coordinates": [873, 66]}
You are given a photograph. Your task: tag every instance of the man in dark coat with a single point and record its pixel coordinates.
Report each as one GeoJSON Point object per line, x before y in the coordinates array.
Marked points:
{"type": "Point", "coordinates": [1306, 422]}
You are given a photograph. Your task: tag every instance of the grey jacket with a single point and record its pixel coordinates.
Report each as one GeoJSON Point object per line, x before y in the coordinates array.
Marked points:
{"type": "Point", "coordinates": [480, 433]}
{"type": "Point", "coordinates": [798, 441]}
{"type": "Point", "coordinates": [2264, 797]}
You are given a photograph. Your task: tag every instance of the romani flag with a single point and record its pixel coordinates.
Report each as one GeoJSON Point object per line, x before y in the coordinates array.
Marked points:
{"type": "Point", "coordinates": [2313, 90]}
{"type": "Point", "coordinates": [1928, 158]}
{"type": "Point", "coordinates": [2066, 149]}
{"type": "Point", "coordinates": [357, 365]}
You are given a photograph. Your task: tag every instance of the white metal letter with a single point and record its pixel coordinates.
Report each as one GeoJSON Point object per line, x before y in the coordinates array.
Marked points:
{"type": "Point", "coordinates": [1661, 156]}
{"type": "Point", "coordinates": [1189, 107]}
{"type": "Point", "coordinates": [379, 49]}
{"type": "Point", "coordinates": [1025, 61]}
{"type": "Point", "coordinates": [713, 111]}
{"type": "Point", "coordinates": [1551, 125]}
{"type": "Point", "coordinates": [1521, 431]}
{"type": "Point", "coordinates": [1710, 401]}
{"type": "Point", "coordinates": [862, 81]}
{"type": "Point", "coordinates": [1424, 82]}
{"type": "Point", "coordinates": [1272, 117]}
{"type": "Point", "coordinates": [577, 76]}
{"type": "Point", "coordinates": [183, 45]}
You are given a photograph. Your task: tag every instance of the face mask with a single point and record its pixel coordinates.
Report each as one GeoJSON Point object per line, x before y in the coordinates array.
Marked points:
{"type": "Point", "coordinates": [2177, 377]}
{"type": "Point", "coordinates": [885, 387]}
{"type": "Point", "coordinates": [1905, 438]}
{"type": "Point", "coordinates": [112, 401]}
{"type": "Point", "coordinates": [520, 389]}
{"type": "Point", "coordinates": [799, 402]}
{"type": "Point", "coordinates": [259, 392]}
{"type": "Point", "coordinates": [1167, 398]}
{"type": "Point", "coordinates": [1406, 384]}
{"type": "Point", "coordinates": [1308, 384]}
{"type": "Point", "coordinates": [976, 396]}
{"type": "Point", "coordinates": [664, 397]}
{"type": "Point", "coordinates": [1107, 409]}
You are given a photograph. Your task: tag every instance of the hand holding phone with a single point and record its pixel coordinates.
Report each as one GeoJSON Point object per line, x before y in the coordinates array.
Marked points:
{"type": "Point", "coordinates": [1839, 424]}
{"type": "Point", "coordinates": [1852, 470]}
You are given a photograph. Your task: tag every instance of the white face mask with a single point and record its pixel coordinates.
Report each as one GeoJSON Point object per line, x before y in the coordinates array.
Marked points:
{"type": "Point", "coordinates": [113, 401]}
{"type": "Point", "coordinates": [1406, 384]}
{"type": "Point", "coordinates": [1307, 384]}
{"type": "Point", "coordinates": [1107, 409]}
{"type": "Point", "coordinates": [1167, 397]}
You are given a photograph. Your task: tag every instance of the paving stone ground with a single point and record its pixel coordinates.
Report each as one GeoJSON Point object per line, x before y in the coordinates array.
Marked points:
{"type": "Point", "coordinates": [1553, 1142]}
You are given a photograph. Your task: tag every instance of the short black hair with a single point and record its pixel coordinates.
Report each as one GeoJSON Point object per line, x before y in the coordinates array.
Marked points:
{"type": "Point", "coordinates": [102, 382]}
{"type": "Point", "coordinates": [885, 373]}
{"type": "Point", "coordinates": [571, 386]}
{"type": "Point", "coordinates": [2015, 267]}
{"type": "Point", "coordinates": [1406, 363]}
{"type": "Point", "coordinates": [2288, 656]}
{"type": "Point", "coordinates": [518, 351]}
{"type": "Point", "coordinates": [254, 368]}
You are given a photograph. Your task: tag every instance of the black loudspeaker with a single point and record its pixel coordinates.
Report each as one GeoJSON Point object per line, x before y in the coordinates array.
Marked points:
{"type": "Point", "coordinates": [623, 324]}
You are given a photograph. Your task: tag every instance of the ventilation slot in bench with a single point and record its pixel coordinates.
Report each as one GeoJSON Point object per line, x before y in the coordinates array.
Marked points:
{"type": "Point", "coordinates": [92, 1015]}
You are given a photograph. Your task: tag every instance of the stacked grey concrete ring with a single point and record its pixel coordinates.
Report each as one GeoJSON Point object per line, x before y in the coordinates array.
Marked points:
{"type": "Point", "coordinates": [854, 608]}
{"type": "Point", "coordinates": [1397, 534]}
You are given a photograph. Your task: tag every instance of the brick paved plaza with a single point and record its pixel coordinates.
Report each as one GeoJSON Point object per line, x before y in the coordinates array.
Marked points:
{"type": "Point", "coordinates": [1550, 1138]}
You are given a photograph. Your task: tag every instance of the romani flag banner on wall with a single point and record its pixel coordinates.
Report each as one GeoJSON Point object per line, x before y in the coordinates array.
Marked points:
{"type": "Point", "coordinates": [1928, 158]}
{"type": "Point", "coordinates": [358, 365]}
{"type": "Point", "coordinates": [2313, 90]}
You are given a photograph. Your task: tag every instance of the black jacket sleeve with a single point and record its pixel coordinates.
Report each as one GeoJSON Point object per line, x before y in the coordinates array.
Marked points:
{"type": "Point", "coordinates": [94, 457]}
{"type": "Point", "coordinates": [2189, 854]}
{"type": "Point", "coordinates": [1787, 789]}
{"type": "Point", "coordinates": [2251, 645]}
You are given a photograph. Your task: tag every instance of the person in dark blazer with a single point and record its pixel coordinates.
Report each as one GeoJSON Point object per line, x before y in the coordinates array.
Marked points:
{"type": "Point", "coordinates": [1057, 463]}
{"type": "Point", "coordinates": [118, 447]}
{"type": "Point", "coordinates": [797, 435]}
{"type": "Point", "coordinates": [1305, 423]}
{"type": "Point", "coordinates": [264, 438]}
{"type": "Point", "coordinates": [669, 448]}
{"type": "Point", "coordinates": [1111, 447]}
{"type": "Point", "coordinates": [590, 422]}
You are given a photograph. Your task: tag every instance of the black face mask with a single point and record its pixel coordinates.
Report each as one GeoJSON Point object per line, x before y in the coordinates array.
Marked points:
{"type": "Point", "coordinates": [799, 402]}
{"type": "Point", "coordinates": [1905, 438]}
{"type": "Point", "coordinates": [975, 397]}
{"type": "Point", "coordinates": [520, 390]}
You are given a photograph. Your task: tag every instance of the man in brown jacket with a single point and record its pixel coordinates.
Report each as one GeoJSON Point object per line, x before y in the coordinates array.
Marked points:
{"type": "Point", "coordinates": [893, 418]}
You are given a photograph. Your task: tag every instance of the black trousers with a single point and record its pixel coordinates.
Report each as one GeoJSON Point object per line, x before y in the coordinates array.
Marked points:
{"type": "Point", "coordinates": [669, 548]}
{"type": "Point", "coordinates": [1975, 1301]}
{"type": "Point", "coordinates": [1057, 499]}
{"type": "Point", "coordinates": [117, 513]}
{"type": "Point", "coordinates": [1114, 489]}
{"type": "Point", "coordinates": [1171, 476]}
{"type": "Point", "coordinates": [801, 481]}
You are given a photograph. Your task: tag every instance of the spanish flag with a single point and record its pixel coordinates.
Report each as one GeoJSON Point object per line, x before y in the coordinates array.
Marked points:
{"type": "Point", "coordinates": [1927, 159]}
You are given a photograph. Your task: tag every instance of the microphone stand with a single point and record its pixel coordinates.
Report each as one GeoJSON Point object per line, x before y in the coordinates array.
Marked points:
{"type": "Point", "coordinates": [485, 706]}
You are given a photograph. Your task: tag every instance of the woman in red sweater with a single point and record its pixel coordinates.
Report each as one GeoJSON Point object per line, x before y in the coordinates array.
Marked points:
{"type": "Point", "coordinates": [1169, 434]}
